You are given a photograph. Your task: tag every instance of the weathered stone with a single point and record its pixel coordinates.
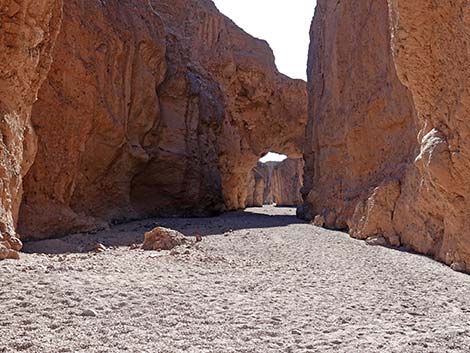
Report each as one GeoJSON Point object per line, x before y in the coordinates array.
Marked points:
{"type": "Point", "coordinates": [368, 103]}
{"type": "Point", "coordinates": [319, 221]}
{"type": "Point", "coordinates": [142, 115]}
{"type": "Point", "coordinates": [276, 182]}
{"type": "Point", "coordinates": [258, 185]}
{"type": "Point", "coordinates": [361, 126]}
{"type": "Point", "coordinates": [286, 181]}
{"type": "Point", "coordinates": [93, 116]}
{"type": "Point", "coordinates": [163, 239]}
{"type": "Point", "coordinates": [27, 35]}
{"type": "Point", "coordinates": [431, 47]}
{"type": "Point", "coordinates": [377, 241]}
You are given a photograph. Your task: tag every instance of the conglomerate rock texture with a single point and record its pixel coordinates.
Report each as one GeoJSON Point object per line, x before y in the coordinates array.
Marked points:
{"type": "Point", "coordinates": [153, 107]}
{"type": "Point", "coordinates": [387, 151]}
{"type": "Point", "coordinates": [27, 34]}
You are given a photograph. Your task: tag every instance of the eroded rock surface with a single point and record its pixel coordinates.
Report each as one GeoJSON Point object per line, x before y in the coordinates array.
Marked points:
{"type": "Point", "coordinates": [361, 127]}
{"type": "Point", "coordinates": [239, 106]}
{"type": "Point", "coordinates": [387, 154]}
{"type": "Point", "coordinates": [154, 107]}
{"type": "Point", "coordinates": [93, 117]}
{"type": "Point", "coordinates": [276, 182]}
{"type": "Point", "coordinates": [258, 185]}
{"type": "Point", "coordinates": [286, 182]}
{"type": "Point", "coordinates": [161, 238]}
{"type": "Point", "coordinates": [431, 43]}
{"type": "Point", "coordinates": [27, 34]}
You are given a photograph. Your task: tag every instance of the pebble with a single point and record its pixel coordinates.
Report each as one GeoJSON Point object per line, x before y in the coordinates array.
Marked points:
{"type": "Point", "coordinates": [89, 313]}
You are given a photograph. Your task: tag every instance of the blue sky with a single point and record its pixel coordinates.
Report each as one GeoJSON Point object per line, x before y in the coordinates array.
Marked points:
{"type": "Point", "coordinates": [284, 24]}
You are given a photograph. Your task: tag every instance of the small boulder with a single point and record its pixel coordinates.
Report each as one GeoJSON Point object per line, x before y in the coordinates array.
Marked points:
{"type": "Point", "coordinates": [89, 313]}
{"type": "Point", "coordinates": [319, 221]}
{"type": "Point", "coordinates": [15, 243]}
{"type": "Point", "coordinates": [100, 248]}
{"type": "Point", "coordinates": [6, 252]}
{"type": "Point", "coordinates": [459, 266]}
{"type": "Point", "coordinates": [161, 238]}
{"type": "Point", "coordinates": [377, 241]}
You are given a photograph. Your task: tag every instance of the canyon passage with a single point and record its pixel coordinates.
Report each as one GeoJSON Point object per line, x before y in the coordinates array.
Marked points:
{"type": "Point", "coordinates": [131, 119]}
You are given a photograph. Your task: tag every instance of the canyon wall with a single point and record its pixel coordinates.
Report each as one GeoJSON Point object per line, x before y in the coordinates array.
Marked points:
{"type": "Point", "coordinates": [153, 108]}
{"type": "Point", "coordinates": [386, 153]}
{"type": "Point", "coordinates": [93, 117]}
{"type": "Point", "coordinates": [258, 185]}
{"type": "Point", "coordinates": [286, 182]}
{"type": "Point", "coordinates": [276, 182]}
{"type": "Point", "coordinates": [27, 34]}
{"type": "Point", "coordinates": [431, 47]}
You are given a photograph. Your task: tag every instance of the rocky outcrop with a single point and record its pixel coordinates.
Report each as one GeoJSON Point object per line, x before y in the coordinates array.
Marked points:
{"type": "Point", "coordinates": [431, 45]}
{"type": "Point", "coordinates": [276, 182]}
{"type": "Point", "coordinates": [386, 155]}
{"type": "Point", "coordinates": [286, 182]}
{"type": "Point", "coordinates": [246, 106]}
{"type": "Point", "coordinates": [94, 116]}
{"type": "Point", "coordinates": [161, 238]}
{"type": "Point", "coordinates": [258, 185]}
{"type": "Point", "coordinates": [153, 107]}
{"type": "Point", "coordinates": [27, 34]}
{"type": "Point", "coordinates": [361, 130]}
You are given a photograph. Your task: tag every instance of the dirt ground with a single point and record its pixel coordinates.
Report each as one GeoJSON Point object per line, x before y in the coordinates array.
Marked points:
{"type": "Point", "coordinates": [260, 281]}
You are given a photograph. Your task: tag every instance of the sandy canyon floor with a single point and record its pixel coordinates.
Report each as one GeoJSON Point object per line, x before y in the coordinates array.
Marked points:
{"type": "Point", "coordinates": [260, 281]}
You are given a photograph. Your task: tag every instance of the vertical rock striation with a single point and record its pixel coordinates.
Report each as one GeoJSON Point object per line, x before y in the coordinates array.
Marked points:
{"type": "Point", "coordinates": [360, 133]}
{"type": "Point", "coordinates": [276, 182]}
{"type": "Point", "coordinates": [241, 107]}
{"type": "Point", "coordinates": [286, 182]}
{"type": "Point", "coordinates": [27, 34]}
{"type": "Point", "coordinates": [153, 107]}
{"type": "Point", "coordinates": [94, 116]}
{"type": "Point", "coordinates": [386, 150]}
{"type": "Point", "coordinates": [431, 46]}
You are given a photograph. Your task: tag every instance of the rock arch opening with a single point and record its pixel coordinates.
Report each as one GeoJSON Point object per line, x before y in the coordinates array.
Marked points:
{"type": "Point", "coordinates": [276, 180]}
{"type": "Point", "coordinates": [143, 117]}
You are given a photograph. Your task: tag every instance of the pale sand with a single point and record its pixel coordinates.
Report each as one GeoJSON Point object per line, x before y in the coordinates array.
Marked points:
{"type": "Point", "coordinates": [277, 286]}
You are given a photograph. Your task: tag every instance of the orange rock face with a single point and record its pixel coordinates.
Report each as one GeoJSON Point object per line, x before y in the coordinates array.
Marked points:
{"type": "Point", "coordinates": [27, 34]}
{"type": "Point", "coordinates": [386, 153]}
{"type": "Point", "coordinates": [361, 128]}
{"type": "Point", "coordinates": [240, 106]}
{"type": "Point", "coordinates": [93, 117]}
{"type": "Point", "coordinates": [431, 45]}
{"type": "Point", "coordinates": [153, 107]}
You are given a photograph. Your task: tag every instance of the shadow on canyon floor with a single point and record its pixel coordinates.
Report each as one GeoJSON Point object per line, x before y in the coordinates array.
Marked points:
{"type": "Point", "coordinates": [132, 233]}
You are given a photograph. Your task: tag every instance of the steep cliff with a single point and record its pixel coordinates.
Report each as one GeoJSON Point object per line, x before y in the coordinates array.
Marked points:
{"type": "Point", "coordinates": [258, 185]}
{"type": "Point", "coordinates": [251, 107]}
{"type": "Point", "coordinates": [286, 182]}
{"type": "Point", "coordinates": [361, 131]}
{"type": "Point", "coordinates": [431, 43]}
{"type": "Point", "coordinates": [27, 34]}
{"type": "Point", "coordinates": [153, 107]}
{"type": "Point", "coordinates": [386, 152]}
{"type": "Point", "coordinates": [276, 182]}
{"type": "Point", "coordinates": [93, 116]}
